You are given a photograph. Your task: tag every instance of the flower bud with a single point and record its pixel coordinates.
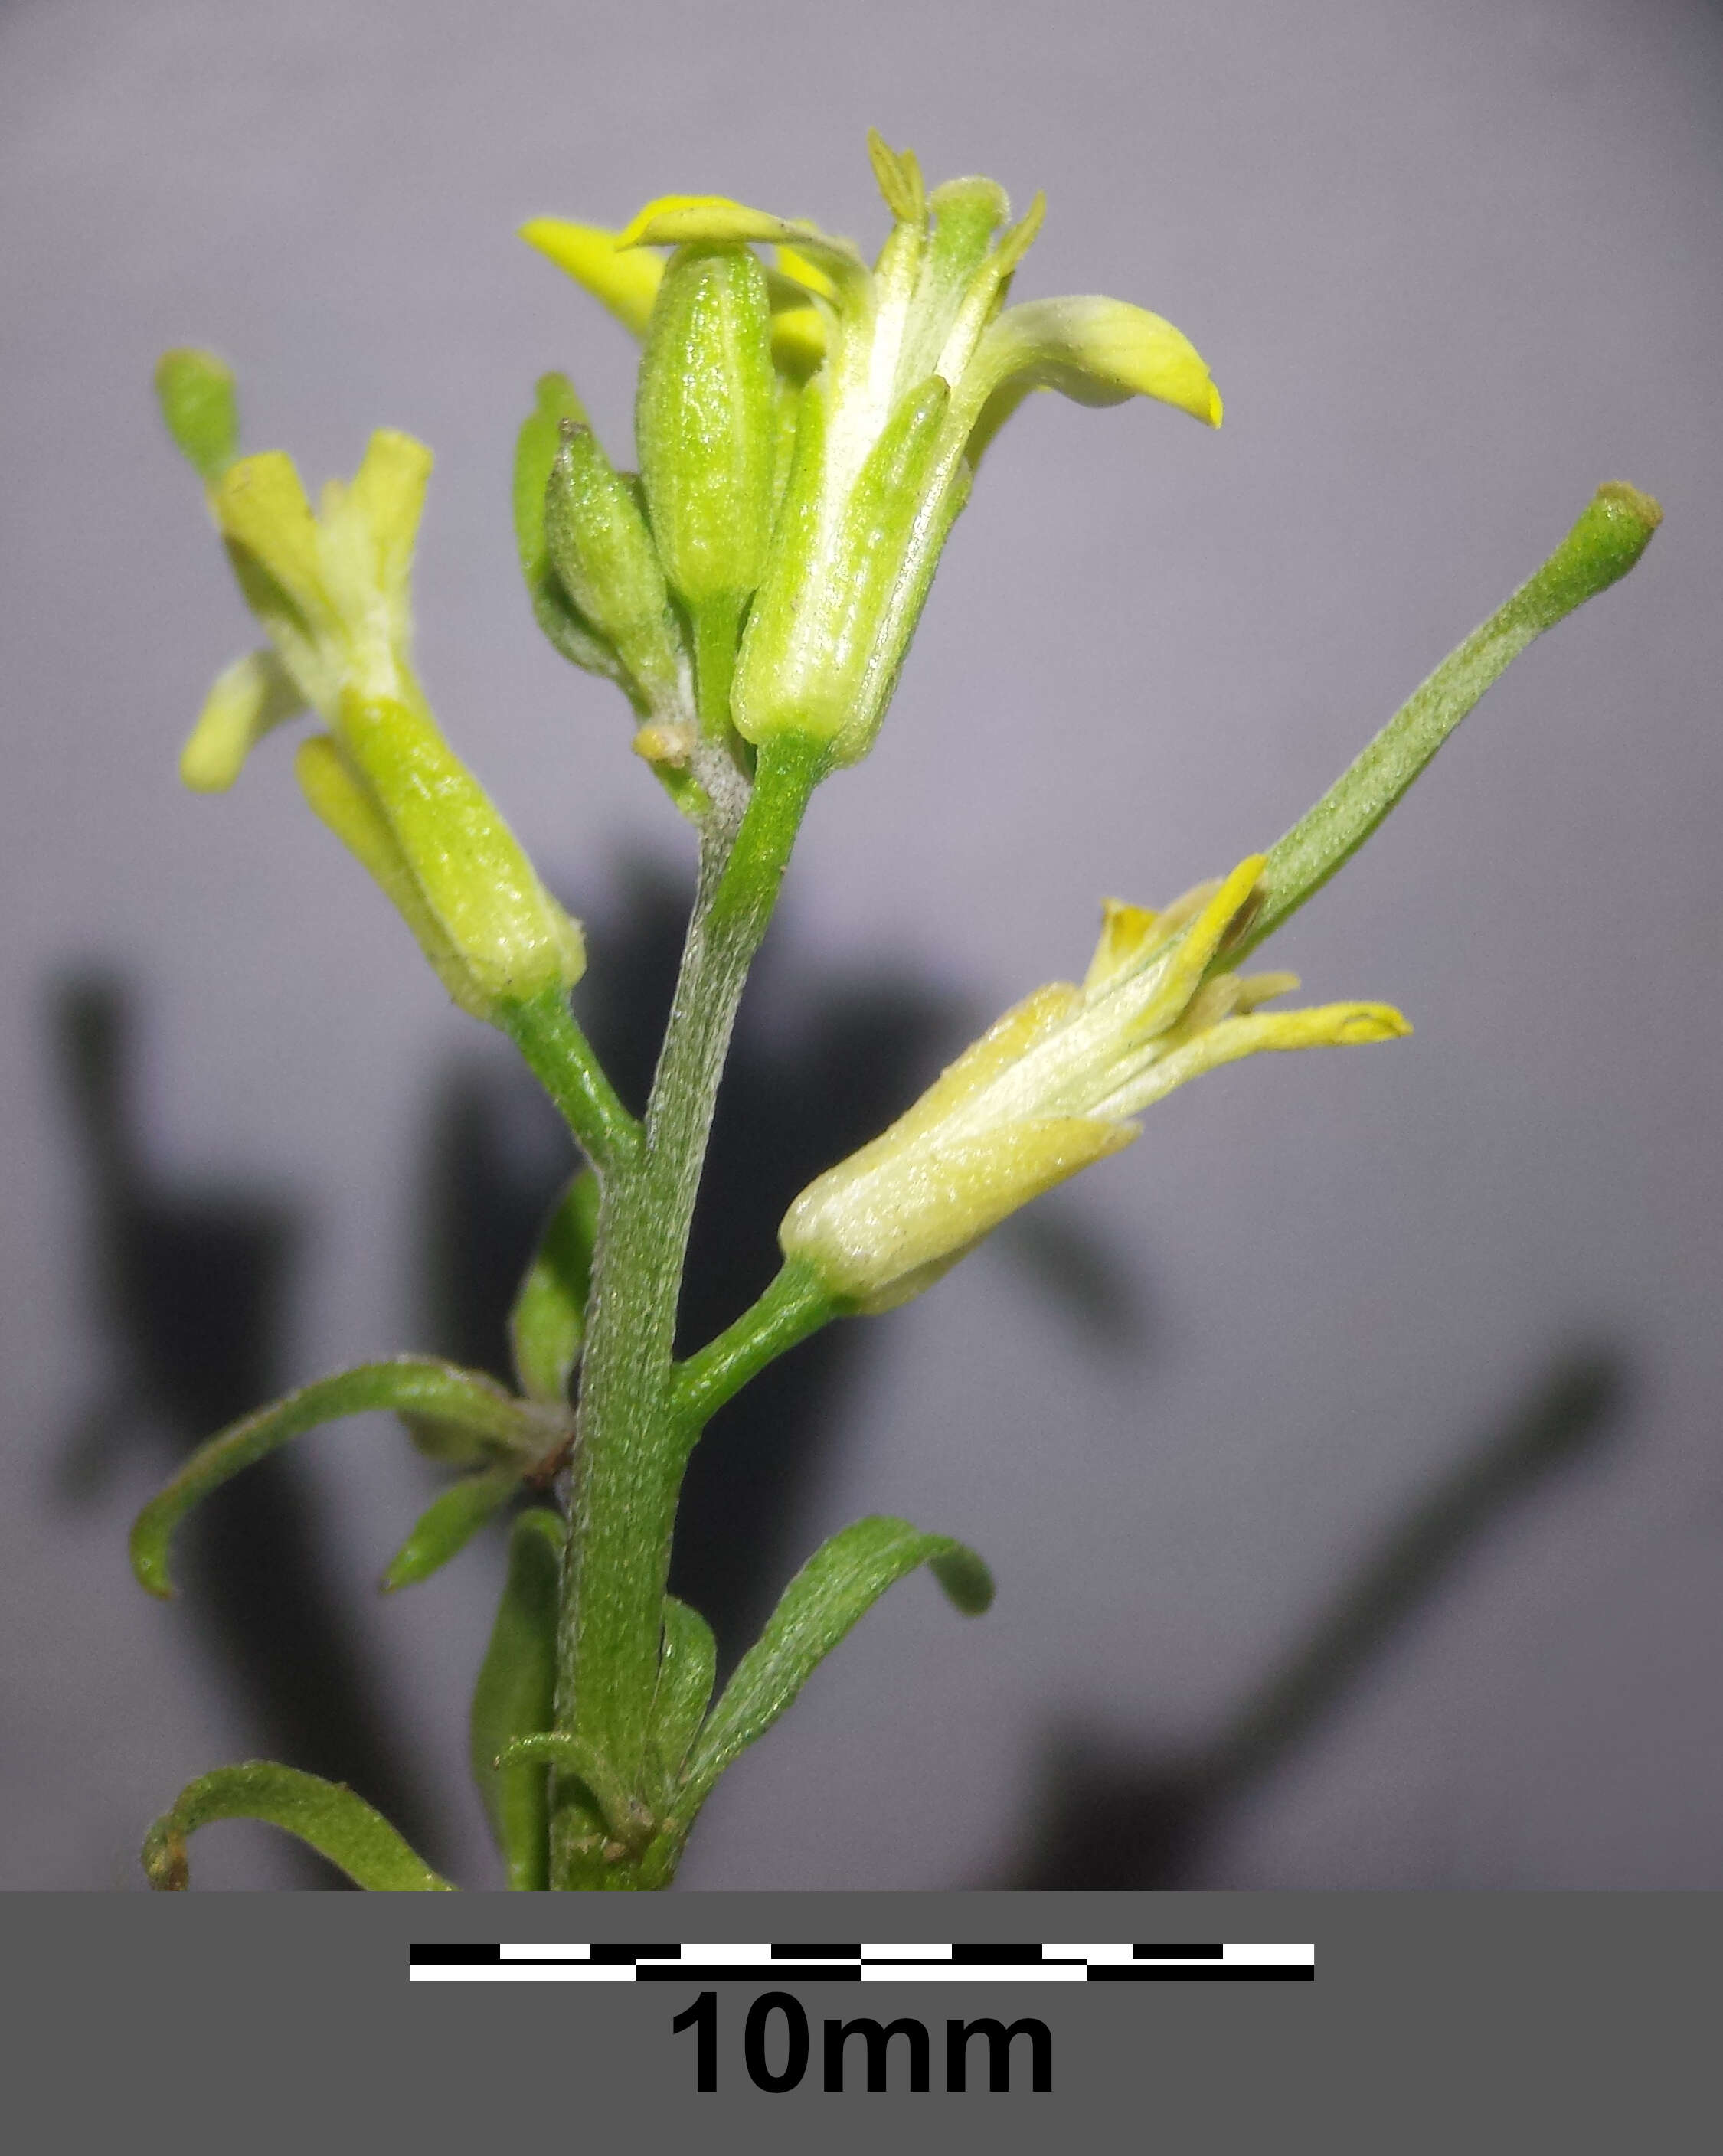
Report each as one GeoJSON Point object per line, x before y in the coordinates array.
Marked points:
{"type": "Point", "coordinates": [706, 422]}
{"type": "Point", "coordinates": [195, 390]}
{"type": "Point", "coordinates": [602, 552]}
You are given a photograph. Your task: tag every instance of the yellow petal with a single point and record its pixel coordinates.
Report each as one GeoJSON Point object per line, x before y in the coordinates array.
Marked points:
{"type": "Point", "coordinates": [1328, 1025]}
{"type": "Point", "coordinates": [627, 284]}
{"type": "Point", "coordinates": [388, 492]}
{"type": "Point", "coordinates": [260, 505]}
{"type": "Point", "coordinates": [1093, 349]}
{"type": "Point", "coordinates": [1154, 999]}
{"type": "Point", "coordinates": [801, 269]}
{"type": "Point", "coordinates": [1127, 932]}
{"type": "Point", "coordinates": [254, 694]}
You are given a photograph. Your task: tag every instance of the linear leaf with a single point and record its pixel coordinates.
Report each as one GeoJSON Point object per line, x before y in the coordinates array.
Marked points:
{"type": "Point", "coordinates": [416, 1385]}
{"type": "Point", "coordinates": [548, 1321]}
{"type": "Point", "coordinates": [328, 1814]}
{"type": "Point", "coordinates": [838, 1584]}
{"type": "Point", "coordinates": [515, 1695]}
{"type": "Point", "coordinates": [449, 1523]}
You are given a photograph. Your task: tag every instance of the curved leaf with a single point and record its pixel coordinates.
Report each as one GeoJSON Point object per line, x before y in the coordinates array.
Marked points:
{"type": "Point", "coordinates": [838, 1584]}
{"type": "Point", "coordinates": [328, 1814]}
{"type": "Point", "coordinates": [515, 1695]}
{"type": "Point", "coordinates": [548, 1321]}
{"type": "Point", "coordinates": [419, 1384]}
{"type": "Point", "coordinates": [571, 1755]}
{"type": "Point", "coordinates": [449, 1523]}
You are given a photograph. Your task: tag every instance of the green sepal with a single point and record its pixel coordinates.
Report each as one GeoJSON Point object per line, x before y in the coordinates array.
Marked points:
{"type": "Point", "coordinates": [838, 1585]}
{"type": "Point", "coordinates": [421, 1385]}
{"type": "Point", "coordinates": [195, 391]}
{"type": "Point", "coordinates": [563, 622]}
{"type": "Point", "coordinates": [828, 631]}
{"type": "Point", "coordinates": [687, 1663]}
{"type": "Point", "coordinates": [515, 1695]}
{"type": "Point", "coordinates": [328, 1814]}
{"type": "Point", "coordinates": [449, 1523]}
{"type": "Point", "coordinates": [548, 1321]}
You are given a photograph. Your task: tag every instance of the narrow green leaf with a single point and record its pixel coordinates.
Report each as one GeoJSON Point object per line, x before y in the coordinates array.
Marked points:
{"type": "Point", "coordinates": [328, 1814]}
{"type": "Point", "coordinates": [412, 1383]}
{"type": "Point", "coordinates": [449, 1523]}
{"type": "Point", "coordinates": [548, 1321]}
{"type": "Point", "coordinates": [686, 1666]}
{"type": "Point", "coordinates": [571, 1755]}
{"type": "Point", "coordinates": [515, 1695]}
{"type": "Point", "coordinates": [839, 1583]}
{"type": "Point", "coordinates": [1613, 530]}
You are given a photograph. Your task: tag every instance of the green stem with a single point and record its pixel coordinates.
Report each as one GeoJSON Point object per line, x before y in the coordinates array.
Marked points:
{"type": "Point", "coordinates": [630, 1451]}
{"type": "Point", "coordinates": [561, 1058]}
{"type": "Point", "coordinates": [1611, 533]}
{"type": "Point", "coordinates": [796, 1304]}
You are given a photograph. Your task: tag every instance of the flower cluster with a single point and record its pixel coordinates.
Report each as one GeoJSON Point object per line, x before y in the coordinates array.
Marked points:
{"type": "Point", "coordinates": [807, 431]}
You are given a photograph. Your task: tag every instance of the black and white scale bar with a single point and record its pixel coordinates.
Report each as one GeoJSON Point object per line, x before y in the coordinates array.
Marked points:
{"type": "Point", "coordinates": [855, 1962]}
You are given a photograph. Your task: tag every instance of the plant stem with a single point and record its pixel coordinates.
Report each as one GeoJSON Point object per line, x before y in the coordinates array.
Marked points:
{"type": "Point", "coordinates": [630, 1446]}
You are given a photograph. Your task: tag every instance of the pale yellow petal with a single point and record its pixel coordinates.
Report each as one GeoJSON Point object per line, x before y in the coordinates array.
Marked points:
{"type": "Point", "coordinates": [260, 505]}
{"type": "Point", "coordinates": [1127, 934]}
{"type": "Point", "coordinates": [252, 695]}
{"type": "Point", "coordinates": [626, 283]}
{"type": "Point", "coordinates": [1328, 1025]}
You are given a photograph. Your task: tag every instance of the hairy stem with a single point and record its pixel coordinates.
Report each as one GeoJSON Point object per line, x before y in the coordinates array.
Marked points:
{"type": "Point", "coordinates": [630, 1448]}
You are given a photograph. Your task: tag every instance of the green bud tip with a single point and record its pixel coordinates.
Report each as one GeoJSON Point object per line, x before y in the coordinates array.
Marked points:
{"type": "Point", "coordinates": [195, 391]}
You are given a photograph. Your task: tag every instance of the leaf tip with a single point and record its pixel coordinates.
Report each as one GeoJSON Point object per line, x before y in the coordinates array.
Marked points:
{"type": "Point", "coordinates": [967, 1582]}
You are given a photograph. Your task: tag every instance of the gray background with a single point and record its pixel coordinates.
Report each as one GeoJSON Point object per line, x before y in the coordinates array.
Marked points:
{"type": "Point", "coordinates": [1451, 265]}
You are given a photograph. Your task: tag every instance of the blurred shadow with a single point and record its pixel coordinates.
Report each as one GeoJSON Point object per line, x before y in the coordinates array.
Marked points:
{"type": "Point", "coordinates": [819, 1065]}
{"type": "Point", "coordinates": [1115, 1815]}
{"type": "Point", "coordinates": [192, 1286]}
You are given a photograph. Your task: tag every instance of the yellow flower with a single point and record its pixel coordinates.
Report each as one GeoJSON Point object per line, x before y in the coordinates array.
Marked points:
{"type": "Point", "coordinates": [331, 590]}
{"type": "Point", "coordinates": [1050, 1087]}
